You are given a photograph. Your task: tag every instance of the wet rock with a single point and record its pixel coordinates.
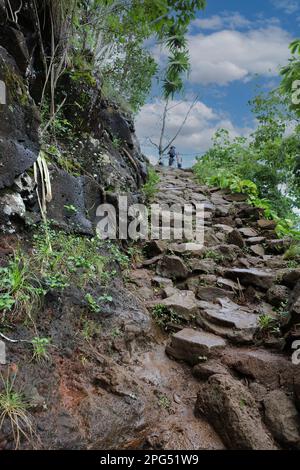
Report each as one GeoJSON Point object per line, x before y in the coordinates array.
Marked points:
{"type": "Point", "coordinates": [223, 228]}
{"type": "Point", "coordinates": [231, 409]}
{"type": "Point", "coordinates": [210, 294]}
{"type": "Point", "coordinates": [258, 250]}
{"type": "Point", "coordinates": [252, 277]}
{"type": "Point", "coordinates": [282, 418]}
{"type": "Point", "coordinates": [248, 232]}
{"type": "Point", "coordinates": [291, 277]}
{"type": "Point", "coordinates": [235, 238]}
{"type": "Point", "coordinates": [278, 247]}
{"type": "Point", "coordinates": [162, 282]}
{"type": "Point", "coordinates": [229, 284]}
{"type": "Point", "coordinates": [155, 248]}
{"type": "Point", "coordinates": [145, 293]}
{"type": "Point", "coordinates": [173, 267]}
{"type": "Point", "coordinates": [183, 303]}
{"type": "Point", "coordinates": [169, 291]}
{"type": "Point", "coordinates": [192, 346]}
{"type": "Point", "coordinates": [265, 224]}
{"type": "Point", "coordinates": [255, 240]}
{"type": "Point", "coordinates": [205, 266]}
{"type": "Point", "coordinates": [245, 211]}
{"type": "Point", "coordinates": [141, 278]}
{"type": "Point", "coordinates": [228, 319]}
{"type": "Point", "coordinates": [236, 197]}
{"type": "Point", "coordinates": [195, 249]}
{"type": "Point", "coordinates": [206, 369]}
{"type": "Point", "coordinates": [228, 252]}
{"type": "Point", "coordinates": [277, 295]}
{"type": "Point", "coordinates": [267, 368]}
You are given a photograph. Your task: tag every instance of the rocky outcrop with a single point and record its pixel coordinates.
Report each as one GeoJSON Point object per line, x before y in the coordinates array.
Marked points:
{"type": "Point", "coordinates": [230, 407]}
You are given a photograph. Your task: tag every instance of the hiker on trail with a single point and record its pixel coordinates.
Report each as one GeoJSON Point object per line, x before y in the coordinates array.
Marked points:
{"type": "Point", "coordinates": [172, 155]}
{"type": "Point", "coordinates": [179, 161]}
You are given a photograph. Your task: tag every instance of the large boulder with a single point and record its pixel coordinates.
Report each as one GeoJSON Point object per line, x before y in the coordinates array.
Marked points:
{"type": "Point", "coordinates": [233, 412]}
{"type": "Point", "coordinates": [267, 368]}
{"type": "Point", "coordinates": [282, 418]}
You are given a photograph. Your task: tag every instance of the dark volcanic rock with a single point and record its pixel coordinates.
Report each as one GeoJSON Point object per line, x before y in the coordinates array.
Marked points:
{"type": "Point", "coordinates": [172, 267]}
{"type": "Point", "coordinates": [231, 409]}
{"type": "Point", "coordinates": [19, 122]}
{"type": "Point", "coordinates": [282, 418]}
{"type": "Point", "coordinates": [192, 346]}
{"type": "Point", "coordinates": [252, 277]}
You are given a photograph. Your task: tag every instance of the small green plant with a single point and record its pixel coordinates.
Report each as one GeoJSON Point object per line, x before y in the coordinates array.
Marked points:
{"type": "Point", "coordinates": [292, 253]}
{"type": "Point", "coordinates": [92, 304]}
{"type": "Point", "coordinates": [6, 303]}
{"type": "Point", "coordinates": [268, 324]}
{"type": "Point", "coordinates": [14, 408]}
{"type": "Point", "coordinates": [40, 348]}
{"type": "Point", "coordinates": [163, 315]}
{"type": "Point", "coordinates": [89, 329]}
{"type": "Point", "coordinates": [214, 255]}
{"type": "Point", "coordinates": [71, 209]}
{"type": "Point", "coordinates": [116, 333]}
{"type": "Point", "coordinates": [116, 142]}
{"type": "Point", "coordinates": [121, 258]}
{"type": "Point", "coordinates": [150, 187]}
{"type": "Point", "coordinates": [164, 402]}
{"type": "Point", "coordinates": [56, 281]}
{"type": "Point", "coordinates": [105, 298]}
{"type": "Point", "coordinates": [20, 289]}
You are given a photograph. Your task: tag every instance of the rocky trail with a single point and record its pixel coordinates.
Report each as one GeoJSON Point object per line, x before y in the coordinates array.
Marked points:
{"type": "Point", "coordinates": [219, 298]}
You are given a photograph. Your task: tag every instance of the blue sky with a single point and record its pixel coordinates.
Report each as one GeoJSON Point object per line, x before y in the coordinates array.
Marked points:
{"type": "Point", "coordinates": [235, 46]}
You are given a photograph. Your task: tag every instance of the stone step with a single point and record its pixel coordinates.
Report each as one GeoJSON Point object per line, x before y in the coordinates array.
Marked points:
{"type": "Point", "coordinates": [228, 319]}
{"type": "Point", "coordinates": [192, 346]}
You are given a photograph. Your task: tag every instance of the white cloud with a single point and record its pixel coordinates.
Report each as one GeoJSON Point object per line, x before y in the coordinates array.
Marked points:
{"type": "Point", "coordinates": [196, 136]}
{"type": "Point", "coordinates": [288, 6]}
{"type": "Point", "coordinates": [233, 20]}
{"type": "Point", "coordinates": [226, 56]}
{"type": "Point", "coordinates": [227, 20]}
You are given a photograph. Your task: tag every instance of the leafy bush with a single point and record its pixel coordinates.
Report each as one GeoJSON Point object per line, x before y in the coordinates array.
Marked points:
{"type": "Point", "coordinates": [149, 189]}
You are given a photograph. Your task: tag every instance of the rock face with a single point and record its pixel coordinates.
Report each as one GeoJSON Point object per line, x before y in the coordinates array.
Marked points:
{"type": "Point", "coordinates": [282, 418]}
{"type": "Point", "coordinates": [19, 123]}
{"type": "Point", "coordinates": [191, 345]}
{"type": "Point", "coordinates": [233, 412]}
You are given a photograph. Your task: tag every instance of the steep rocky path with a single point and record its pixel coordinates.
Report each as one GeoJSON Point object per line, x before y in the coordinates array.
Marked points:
{"type": "Point", "coordinates": [226, 309]}
{"type": "Point", "coordinates": [192, 352]}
